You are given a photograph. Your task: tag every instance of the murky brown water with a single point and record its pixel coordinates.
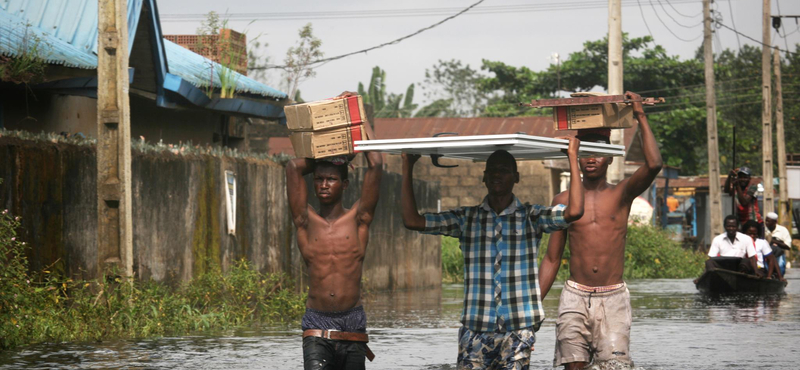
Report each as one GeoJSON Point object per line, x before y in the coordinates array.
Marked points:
{"type": "Point", "coordinates": [674, 328]}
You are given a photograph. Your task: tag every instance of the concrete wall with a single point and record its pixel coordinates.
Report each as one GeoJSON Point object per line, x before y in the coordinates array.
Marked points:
{"type": "Point", "coordinates": [179, 216]}
{"type": "Point", "coordinates": [463, 186]}
{"type": "Point", "coordinates": [77, 114]}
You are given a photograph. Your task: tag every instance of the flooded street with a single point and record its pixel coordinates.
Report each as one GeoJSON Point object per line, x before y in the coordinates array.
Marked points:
{"type": "Point", "coordinates": [674, 328]}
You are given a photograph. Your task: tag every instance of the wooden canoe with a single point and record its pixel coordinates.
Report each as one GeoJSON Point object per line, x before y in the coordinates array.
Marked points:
{"type": "Point", "coordinates": [720, 281]}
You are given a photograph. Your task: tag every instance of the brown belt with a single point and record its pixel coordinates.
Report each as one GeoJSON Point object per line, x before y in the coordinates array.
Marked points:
{"type": "Point", "coordinates": [341, 335]}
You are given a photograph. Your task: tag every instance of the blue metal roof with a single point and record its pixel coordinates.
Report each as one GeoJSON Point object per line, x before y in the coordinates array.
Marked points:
{"type": "Point", "coordinates": [67, 30]}
{"type": "Point", "coordinates": [197, 70]}
{"type": "Point", "coordinates": [15, 37]}
{"type": "Point", "coordinates": [71, 21]}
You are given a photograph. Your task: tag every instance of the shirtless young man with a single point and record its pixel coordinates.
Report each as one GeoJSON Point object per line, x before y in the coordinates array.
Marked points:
{"type": "Point", "coordinates": [333, 242]}
{"type": "Point", "coordinates": [594, 313]}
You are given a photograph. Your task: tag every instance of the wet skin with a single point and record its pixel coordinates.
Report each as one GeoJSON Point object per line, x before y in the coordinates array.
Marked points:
{"type": "Point", "coordinates": [597, 240]}
{"type": "Point", "coordinates": [333, 240]}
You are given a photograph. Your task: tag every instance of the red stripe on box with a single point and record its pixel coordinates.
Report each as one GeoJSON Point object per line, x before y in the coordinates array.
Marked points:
{"type": "Point", "coordinates": [355, 135]}
{"type": "Point", "coordinates": [353, 109]}
{"type": "Point", "coordinates": [561, 115]}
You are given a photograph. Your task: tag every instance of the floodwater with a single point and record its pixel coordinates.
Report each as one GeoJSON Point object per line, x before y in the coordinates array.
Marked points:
{"type": "Point", "coordinates": [674, 328]}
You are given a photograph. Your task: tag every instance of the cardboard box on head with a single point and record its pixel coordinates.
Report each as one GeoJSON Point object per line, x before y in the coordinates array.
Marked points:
{"type": "Point", "coordinates": [614, 115]}
{"type": "Point", "coordinates": [328, 143]}
{"type": "Point", "coordinates": [325, 114]}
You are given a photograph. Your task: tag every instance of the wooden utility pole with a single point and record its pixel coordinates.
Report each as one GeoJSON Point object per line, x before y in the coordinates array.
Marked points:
{"type": "Point", "coordinates": [616, 171]}
{"type": "Point", "coordinates": [714, 188]}
{"type": "Point", "coordinates": [766, 110]}
{"type": "Point", "coordinates": [784, 214]}
{"type": "Point", "coordinates": [114, 221]}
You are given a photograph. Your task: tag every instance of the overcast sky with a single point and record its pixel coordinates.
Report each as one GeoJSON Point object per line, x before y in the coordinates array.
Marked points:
{"type": "Point", "coordinates": [518, 33]}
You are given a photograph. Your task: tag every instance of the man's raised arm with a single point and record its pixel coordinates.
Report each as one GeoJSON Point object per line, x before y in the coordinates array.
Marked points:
{"type": "Point", "coordinates": [371, 187]}
{"type": "Point", "coordinates": [411, 217]}
{"type": "Point", "coordinates": [552, 259]}
{"type": "Point", "coordinates": [296, 189]}
{"type": "Point", "coordinates": [644, 176]}
{"type": "Point", "coordinates": [574, 210]}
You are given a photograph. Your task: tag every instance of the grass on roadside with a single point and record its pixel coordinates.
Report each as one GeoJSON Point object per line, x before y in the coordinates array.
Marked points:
{"type": "Point", "coordinates": [42, 307]}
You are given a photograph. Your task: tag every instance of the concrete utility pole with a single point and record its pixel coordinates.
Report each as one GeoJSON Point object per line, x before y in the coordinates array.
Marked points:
{"type": "Point", "coordinates": [766, 111]}
{"type": "Point", "coordinates": [114, 221]}
{"type": "Point", "coordinates": [783, 204]}
{"type": "Point", "coordinates": [616, 171]}
{"type": "Point", "coordinates": [714, 188]}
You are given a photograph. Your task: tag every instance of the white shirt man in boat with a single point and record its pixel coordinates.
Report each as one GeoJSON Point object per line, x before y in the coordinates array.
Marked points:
{"type": "Point", "coordinates": [779, 238]}
{"type": "Point", "coordinates": [732, 250]}
{"type": "Point", "coordinates": [767, 263]}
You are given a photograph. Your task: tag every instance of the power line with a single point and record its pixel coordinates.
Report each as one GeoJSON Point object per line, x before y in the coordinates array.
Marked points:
{"type": "Point", "coordinates": [395, 41]}
{"type": "Point", "coordinates": [739, 42]}
{"type": "Point", "coordinates": [645, 21]}
{"type": "Point", "coordinates": [673, 18]}
{"type": "Point", "coordinates": [681, 14]}
{"type": "Point", "coordinates": [409, 12]}
{"type": "Point", "coordinates": [785, 39]}
{"type": "Point", "coordinates": [667, 27]}
{"type": "Point", "coordinates": [752, 39]}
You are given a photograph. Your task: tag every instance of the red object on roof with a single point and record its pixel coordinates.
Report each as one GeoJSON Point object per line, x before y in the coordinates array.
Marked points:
{"type": "Point", "coordinates": [278, 145]}
{"type": "Point", "coordinates": [399, 128]}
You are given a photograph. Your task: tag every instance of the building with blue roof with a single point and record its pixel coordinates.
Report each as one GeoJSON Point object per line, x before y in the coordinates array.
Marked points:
{"type": "Point", "coordinates": [168, 88]}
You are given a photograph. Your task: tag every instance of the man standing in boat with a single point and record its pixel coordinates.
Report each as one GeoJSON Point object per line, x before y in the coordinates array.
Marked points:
{"type": "Point", "coordinates": [594, 313]}
{"type": "Point", "coordinates": [333, 243]}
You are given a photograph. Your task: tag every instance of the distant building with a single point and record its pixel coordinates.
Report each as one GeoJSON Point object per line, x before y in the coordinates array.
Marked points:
{"type": "Point", "coordinates": [228, 48]}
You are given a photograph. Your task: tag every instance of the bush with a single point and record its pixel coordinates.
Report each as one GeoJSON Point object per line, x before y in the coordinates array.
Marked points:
{"type": "Point", "coordinates": [44, 307]}
{"type": "Point", "coordinates": [649, 254]}
{"type": "Point", "coordinates": [452, 260]}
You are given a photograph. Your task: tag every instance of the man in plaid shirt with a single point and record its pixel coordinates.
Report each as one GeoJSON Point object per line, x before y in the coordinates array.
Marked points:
{"type": "Point", "coordinates": [499, 239]}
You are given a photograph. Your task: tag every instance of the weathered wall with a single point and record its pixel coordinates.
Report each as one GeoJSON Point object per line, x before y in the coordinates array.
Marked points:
{"type": "Point", "coordinates": [180, 222]}
{"type": "Point", "coordinates": [462, 186]}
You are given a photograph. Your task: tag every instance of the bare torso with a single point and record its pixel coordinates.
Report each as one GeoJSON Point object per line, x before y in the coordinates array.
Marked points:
{"type": "Point", "coordinates": [597, 240]}
{"type": "Point", "coordinates": [334, 254]}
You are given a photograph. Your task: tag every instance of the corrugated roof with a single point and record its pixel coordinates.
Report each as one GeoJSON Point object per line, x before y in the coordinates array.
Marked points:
{"type": "Point", "coordinates": [16, 37]}
{"type": "Point", "coordinates": [71, 21]}
{"type": "Point", "coordinates": [397, 128]}
{"type": "Point", "coordinates": [196, 69]}
{"type": "Point", "coordinates": [67, 30]}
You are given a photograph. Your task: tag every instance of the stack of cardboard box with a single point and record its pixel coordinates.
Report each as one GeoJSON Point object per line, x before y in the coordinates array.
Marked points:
{"type": "Point", "coordinates": [326, 128]}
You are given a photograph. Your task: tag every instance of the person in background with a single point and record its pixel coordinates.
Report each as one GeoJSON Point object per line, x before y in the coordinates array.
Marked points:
{"type": "Point", "coordinates": [779, 238]}
{"type": "Point", "coordinates": [737, 185]}
{"type": "Point", "coordinates": [732, 250]}
{"type": "Point", "coordinates": [767, 264]}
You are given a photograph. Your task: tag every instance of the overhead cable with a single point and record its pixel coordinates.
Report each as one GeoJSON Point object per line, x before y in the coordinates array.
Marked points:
{"type": "Point", "coordinates": [551, 5]}
{"type": "Point", "coordinates": [395, 41]}
{"type": "Point", "coordinates": [669, 29]}
{"type": "Point", "coordinates": [752, 39]}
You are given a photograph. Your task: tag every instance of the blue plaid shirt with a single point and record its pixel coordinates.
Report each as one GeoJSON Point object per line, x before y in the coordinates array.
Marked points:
{"type": "Point", "coordinates": [515, 234]}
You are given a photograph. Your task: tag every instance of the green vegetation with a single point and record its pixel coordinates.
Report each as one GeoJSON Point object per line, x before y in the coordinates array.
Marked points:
{"type": "Point", "coordinates": [649, 254]}
{"type": "Point", "coordinates": [44, 307]}
{"type": "Point", "coordinates": [452, 261]}
{"type": "Point", "coordinates": [28, 64]}
{"type": "Point", "coordinates": [385, 104]}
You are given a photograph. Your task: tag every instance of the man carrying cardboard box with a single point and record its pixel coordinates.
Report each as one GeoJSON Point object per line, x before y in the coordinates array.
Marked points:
{"type": "Point", "coordinates": [333, 242]}
{"type": "Point", "coordinates": [594, 313]}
